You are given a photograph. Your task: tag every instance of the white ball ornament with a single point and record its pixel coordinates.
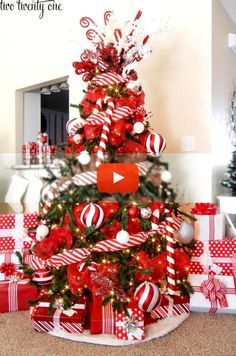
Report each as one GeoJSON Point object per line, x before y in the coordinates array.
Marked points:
{"type": "Point", "coordinates": [84, 158]}
{"type": "Point", "coordinates": [166, 176]}
{"type": "Point", "coordinates": [185, 233]}
{"type": "Point", "coordinates": [122, 237]}
{"type": "Point", "coordinates": [146, 212]}
{"type": "Point", "coordinates": [41, 232]}
{"type": "Point", "coordinates": [77, 138]}
{"type": "Point", "coordinates": [138, 128]}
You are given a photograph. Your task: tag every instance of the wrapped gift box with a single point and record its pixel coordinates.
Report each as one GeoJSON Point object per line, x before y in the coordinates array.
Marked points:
{"type": "Point", "coordinates": [209, 225]}
{"type": "Point", "coordinates": [102, 317]}
{"type": "Point", "coordinates": [71, 320]}
{"type": "Point", "coordinates": [219, 296]}
{"type": "Point", "coordinates": [14, 236]}
{"type": "Point", "coordinates": [14, 296]}
{"type": "Point", "coordinates": [171, 306]}
{"type": "Point", "coordinates": [130, 327]}
{"type": "Point", "coordinates": [213, 257]}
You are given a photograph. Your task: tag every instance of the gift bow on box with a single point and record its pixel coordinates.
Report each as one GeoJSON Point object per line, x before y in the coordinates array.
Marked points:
{"type": "Point", "coordinates": [204, 209]}
{"type": "Point", "coordinates": [18, 233]}
{"type": "Point", "coordinates": [215, 291]}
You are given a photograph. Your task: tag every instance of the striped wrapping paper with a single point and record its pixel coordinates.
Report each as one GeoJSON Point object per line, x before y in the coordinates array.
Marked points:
{"type": "Point", "coordinates": [102, 318]}
{"type": "Point", "coordinates": [209, 227]}
{"type": "Point", "coordinates": [71, 320]}
{"type": "Point", "coordinates": [171, 306]}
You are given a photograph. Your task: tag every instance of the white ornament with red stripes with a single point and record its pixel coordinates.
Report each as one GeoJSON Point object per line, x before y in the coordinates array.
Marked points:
{"type": "Point", "coordinates": [43, 276]}
{"type": "Point", "coordinates": [185, 233]}
{"type": "Point", "coordinates": [92, 215]}
{"type": "Point", "coordinates": [41, 232]}
{"type": "Point", "coordinates": [122, 236]}
{"type": "Point", "coordinates": [73, 125]}
{"type": "Point", "coordinates": [147, 296]}
{"type": "Point", "coordinates": [155, 143]}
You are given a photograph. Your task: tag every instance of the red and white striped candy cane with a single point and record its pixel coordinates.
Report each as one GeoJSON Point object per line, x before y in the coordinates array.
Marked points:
{"type": "Point", "coordinates": [105, 129]}
{"type": "Point", "coordinates": [170, 254]}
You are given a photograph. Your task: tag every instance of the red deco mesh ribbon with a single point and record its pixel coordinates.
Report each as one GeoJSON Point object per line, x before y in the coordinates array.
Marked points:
{"type": "Point", "coordinates": [204, 209]}
{"type": "Point", "coordinates": [215, 291]}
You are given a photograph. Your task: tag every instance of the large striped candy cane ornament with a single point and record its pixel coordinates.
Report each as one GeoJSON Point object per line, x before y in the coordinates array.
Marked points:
{"type": "Point", "coordinates": [105, 130]}
{"type": "Point", "coordinates": [171, 284]}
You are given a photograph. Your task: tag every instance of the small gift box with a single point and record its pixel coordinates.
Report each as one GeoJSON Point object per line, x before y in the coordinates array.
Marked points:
{"type": "Point", "coordinates": [213, 257]}
{"type": "Point", "coordinates": [171, 306]}
{"type": "Point", "coordinates": [70, 320]}
{"type": "Point", "coordinates": [14, 295]}
{"type": "Point", "coordinates": [14, 236]}
{"type": "Point", "coordinates": [208, 225]}
{"type": "Point", "coordinates": [102, 317]}
{"type": "Point", "coordinates": [215, 294]}
{"type": "Point", "coordinates": [130, 327]}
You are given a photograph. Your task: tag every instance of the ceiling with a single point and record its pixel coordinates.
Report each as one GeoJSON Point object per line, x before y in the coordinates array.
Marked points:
{"type": "Point", "coordinates": [230, 7]}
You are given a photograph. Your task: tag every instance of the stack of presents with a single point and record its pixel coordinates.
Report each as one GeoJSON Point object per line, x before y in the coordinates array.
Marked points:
{"type": "Point", "coordinates": [212, 275]}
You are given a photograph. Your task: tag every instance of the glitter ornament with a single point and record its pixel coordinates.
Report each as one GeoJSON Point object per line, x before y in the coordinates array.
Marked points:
{"type": "Point", "coordinates": [146, 212]}
{"type": "Point", "coordinates": [43, 276]}
{"type": "Point", "coordinates": [122, 236]}
{"type": "Point", "coordinates": [133, 211]}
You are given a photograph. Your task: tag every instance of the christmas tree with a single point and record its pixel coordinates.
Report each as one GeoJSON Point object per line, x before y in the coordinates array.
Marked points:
{"type": "Point", "coordinates": [230, 181]}
{"type": "Point", "coordinates": [120, 247]}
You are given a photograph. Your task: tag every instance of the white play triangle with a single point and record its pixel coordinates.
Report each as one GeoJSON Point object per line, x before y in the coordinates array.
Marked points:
{"type": "Point", "coordinates": [117, 177]}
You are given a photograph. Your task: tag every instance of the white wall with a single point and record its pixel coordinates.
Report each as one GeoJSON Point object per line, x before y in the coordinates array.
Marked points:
{"type": "Point", "coordinates": [223, 79]}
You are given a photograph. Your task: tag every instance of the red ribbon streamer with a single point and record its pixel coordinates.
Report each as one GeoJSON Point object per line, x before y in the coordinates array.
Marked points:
{"type": "Point", "coordinates": [204, 209]}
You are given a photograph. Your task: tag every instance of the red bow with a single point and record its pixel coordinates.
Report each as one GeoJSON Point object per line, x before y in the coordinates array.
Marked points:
{"type": "Point", "coordinates": [204, 209]}
{"type": "Point", "coordinates": [214, 290]}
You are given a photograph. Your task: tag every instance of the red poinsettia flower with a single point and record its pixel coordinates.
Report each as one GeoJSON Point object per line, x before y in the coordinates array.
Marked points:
{"type": "Point", "coordinates": [157, 266]}
{"type": "Point", "coordinates": [109, 208]}
{"type": "Point", "coordinates": [110, 231]}
{"type": "Point", "coordinates": [58, 237]}
{"type": "Point", "coordinates": [131, 147]}
{"type": "Point", "coordinates": [92, 131]}
{"type": "Point", "coordinates": [76, 279]}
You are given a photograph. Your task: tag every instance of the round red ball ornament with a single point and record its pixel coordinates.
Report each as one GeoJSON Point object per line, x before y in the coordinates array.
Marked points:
{"type": "Point", "coordinates": [155, 143]}
{"type": "Point", "coordinates": [147, 296]}
{"type": "Point", "coordinates": [133, 211]}
{"type": "Point", "coordinates": [43, 276]}
{"type": "Point", "coordinates": [92, 214]}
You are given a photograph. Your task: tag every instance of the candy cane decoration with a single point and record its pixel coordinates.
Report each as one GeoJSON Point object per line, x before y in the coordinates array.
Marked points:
{"type": "Point", "coordinates": [105, 129]}
{"type": "Point", "coordinates": [170, 254]}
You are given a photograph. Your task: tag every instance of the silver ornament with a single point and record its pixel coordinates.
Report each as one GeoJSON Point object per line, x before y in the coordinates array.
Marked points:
{"type": "Point", "coordinates": [185, 233]}
{"type": "Point", "coordinates": [146, 212]}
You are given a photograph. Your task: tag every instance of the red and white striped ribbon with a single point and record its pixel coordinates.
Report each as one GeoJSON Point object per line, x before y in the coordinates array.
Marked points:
{"type": "Point", "coordinates": [105, 129]}
{"type": "Point", "coordinates": [108, 78]}
{"type": "Point", "coordinates": [171, 283]}
{"type": "Point", "coordinates": [80, 254]}
{"type": "Point", "coordinates": [12, 297]}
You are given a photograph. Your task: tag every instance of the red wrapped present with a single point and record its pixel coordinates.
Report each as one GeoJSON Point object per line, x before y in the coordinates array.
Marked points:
{"type": "Point", "coordinates": [14, 236]}
{"type": "Point", "coordinates": [70, 320]}
{"type": "Point", "coordinates": [14, 295]}
{"type": "Point", "coordinates": [130, 327]}
{"type": "Point", "coordinates": [102, 318]}
{"type": "Point", "coordinates": [171, 306]}
{"type": "Point", "coordinates": [209, 225]}
{"type": "Point", "coordinates": [214, 294]}
{"type": "Point", "coordinates": [213, 257]}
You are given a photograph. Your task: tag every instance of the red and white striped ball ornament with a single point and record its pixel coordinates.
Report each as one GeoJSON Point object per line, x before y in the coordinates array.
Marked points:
{"type": "Point", "coordinates": [92, 214]}
{"type": "Point", "coordinates": [155, 143]}
{"type": "Point", "coordinates": [147, 296]}
{"type": "Point", "coordinates": [43, 276]}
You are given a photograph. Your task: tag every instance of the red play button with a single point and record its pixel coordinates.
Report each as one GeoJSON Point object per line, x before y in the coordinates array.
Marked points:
{"type": "Point", "coordinates": [117, 178]}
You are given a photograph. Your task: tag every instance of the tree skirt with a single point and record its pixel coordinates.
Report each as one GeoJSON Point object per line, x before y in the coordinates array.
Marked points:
{"type": "Point", "coordinates": [152, 331]}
